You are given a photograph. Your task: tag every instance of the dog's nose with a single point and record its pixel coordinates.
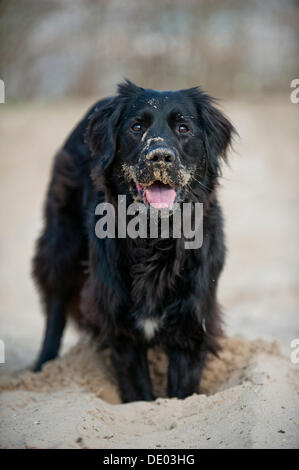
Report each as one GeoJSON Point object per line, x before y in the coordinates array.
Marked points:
{"type": "Point", "coordinates": [161, 155]}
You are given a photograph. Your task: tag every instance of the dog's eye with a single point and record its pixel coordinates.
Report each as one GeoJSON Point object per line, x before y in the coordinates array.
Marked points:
{"type": "Point", "coordinates": [183, 129]}
{"type": "Point", "coordinates": [136, 127]}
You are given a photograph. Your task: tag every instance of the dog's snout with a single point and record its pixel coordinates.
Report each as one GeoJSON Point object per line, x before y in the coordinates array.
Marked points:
{"type": "Point", "coordinates": [161, 155]}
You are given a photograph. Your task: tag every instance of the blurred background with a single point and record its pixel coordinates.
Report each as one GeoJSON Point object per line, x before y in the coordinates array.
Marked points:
{"type": "Point", "coordinates": [68, 48]}
{"type": "Point", "coordinates": [58, 56]}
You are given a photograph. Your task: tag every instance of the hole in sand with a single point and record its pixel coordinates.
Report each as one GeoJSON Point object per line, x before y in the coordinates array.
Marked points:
{"type": "Point", "coordinates": [86, 367]}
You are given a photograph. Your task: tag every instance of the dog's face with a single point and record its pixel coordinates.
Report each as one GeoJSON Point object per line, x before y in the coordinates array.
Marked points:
{"type": "Point", "coordinates": [161, 147]}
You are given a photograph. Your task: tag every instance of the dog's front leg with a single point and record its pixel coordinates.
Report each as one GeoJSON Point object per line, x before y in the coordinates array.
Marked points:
{"type": "Point", "coordinates": [130, 362]}
{"type": "Point", "coordinates": [184, 372]}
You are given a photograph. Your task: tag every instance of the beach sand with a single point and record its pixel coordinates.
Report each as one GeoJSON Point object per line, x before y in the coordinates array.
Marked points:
{"type": "Point", "coordinates": [250, 394]}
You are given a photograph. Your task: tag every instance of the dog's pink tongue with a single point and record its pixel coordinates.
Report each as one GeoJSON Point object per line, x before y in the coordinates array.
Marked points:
{"type": "Point", "coordinates": [160, 195]}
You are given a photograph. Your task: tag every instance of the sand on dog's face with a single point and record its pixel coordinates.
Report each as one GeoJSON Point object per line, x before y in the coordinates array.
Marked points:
{"type": "Point", "coordinates": [249, 397]}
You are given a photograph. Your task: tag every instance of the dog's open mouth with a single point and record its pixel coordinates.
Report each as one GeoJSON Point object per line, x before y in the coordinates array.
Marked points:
{"type": "Point", "coordinates": [158, 195]}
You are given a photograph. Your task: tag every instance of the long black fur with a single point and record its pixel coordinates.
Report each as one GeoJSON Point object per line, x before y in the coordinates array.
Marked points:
{"type": "Point", "coordinates": [111, 285]}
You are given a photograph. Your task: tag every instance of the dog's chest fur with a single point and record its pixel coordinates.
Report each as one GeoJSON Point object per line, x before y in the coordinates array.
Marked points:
{"type": "Point", "coordinates": [149, 327]}
{"type": "Point", "coordinates": [155, 272]}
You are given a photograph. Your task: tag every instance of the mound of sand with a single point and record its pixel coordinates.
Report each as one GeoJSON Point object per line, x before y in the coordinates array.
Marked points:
{"type": "Point", "coordinates": [249, 397]}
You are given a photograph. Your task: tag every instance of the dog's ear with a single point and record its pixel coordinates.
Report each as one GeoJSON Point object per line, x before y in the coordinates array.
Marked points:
{"type": "Point", "coordinates": [101, 133]}
{"type": "Point", "coordinates": [128, 89]}
{"type": "Point", "coordinates": [217, 130]}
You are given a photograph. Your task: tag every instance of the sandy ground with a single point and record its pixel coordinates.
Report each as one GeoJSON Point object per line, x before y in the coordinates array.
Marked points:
{"type": "Point", "coordinates": [251, 394]}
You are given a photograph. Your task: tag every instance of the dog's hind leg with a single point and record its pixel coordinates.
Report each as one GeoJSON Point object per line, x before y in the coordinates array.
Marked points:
{"type": "Point", "coordinates": [55, 323]}
{"type": "Point", "coordinates": [60, 249]}
{"type": "Point", "coordinates": [57, 296]}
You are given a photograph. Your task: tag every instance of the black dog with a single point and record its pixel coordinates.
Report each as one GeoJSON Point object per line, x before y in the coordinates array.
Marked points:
{"type": "Point", "coordinates": [158, 148]}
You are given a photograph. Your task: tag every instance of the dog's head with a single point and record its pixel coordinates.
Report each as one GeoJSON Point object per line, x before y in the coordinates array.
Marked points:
{"type": "Point", "coordinates": [160, 147]}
